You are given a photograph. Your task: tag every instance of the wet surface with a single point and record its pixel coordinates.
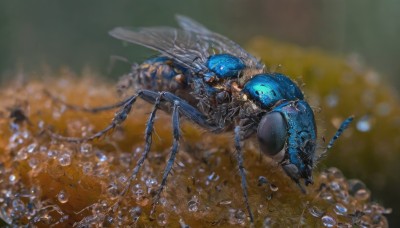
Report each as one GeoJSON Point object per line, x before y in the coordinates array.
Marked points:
{"type": "Point", "coordinates": [47, 182]}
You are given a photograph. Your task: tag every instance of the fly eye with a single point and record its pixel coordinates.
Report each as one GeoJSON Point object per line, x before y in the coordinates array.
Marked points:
{"type": "Point", "coordinates": [271, 133]}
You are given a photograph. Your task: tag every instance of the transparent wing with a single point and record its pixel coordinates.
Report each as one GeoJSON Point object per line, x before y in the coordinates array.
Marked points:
{"type": "Point", "coordinates": [185, 47]}
{"type": "Point", "coordinates": [225, 44]}
{"type": "Point", "coordinates": [190, 46]}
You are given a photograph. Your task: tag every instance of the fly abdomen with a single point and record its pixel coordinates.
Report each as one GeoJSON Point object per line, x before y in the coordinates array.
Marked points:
{"type": "Point", "coordinates": [159, 74]}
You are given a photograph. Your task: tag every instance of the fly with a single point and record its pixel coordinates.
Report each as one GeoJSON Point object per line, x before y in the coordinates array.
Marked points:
{"type": "Point", "coordinates": [217, 85]}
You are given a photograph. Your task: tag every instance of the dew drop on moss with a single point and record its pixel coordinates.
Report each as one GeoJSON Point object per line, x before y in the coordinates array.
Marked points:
{"type": "Point", "coordinates": [362, 194]}
{"type": "Point", "coordinates": [135, 213]}
{"type": "Point", "coordinates": [21, 154]}
{"type": "Point", "coordinates": [334, 186]}
{"type": "Point", "coordinates": [87, 168]}
{"type": "Point", "coordinates": [86, 149]}
{"type": "Point", "coordinates": [267, 223]}
{"type": "Point", "coordinates": [328, 221]}
{"type": "Point", "coordinates": [62, 196]}
{"type": "Point", "coordinates": [101, 157]}
{"type": "Point", "coordinates": [64, 159]}
{"type": "Point", "coordinates": [193, 204]}
{"type": "Point", "coordinates": [18, 205]}
{"type": "Point", "coordinates": [52, 153]}
{"type": "Point", "coordinates": [162, 219]}
{"type": "Point", "coordinates": [31, 148]}
{"type": "Point", "coordinates": [273, 187]}
{"type": "Point", "coordinates": [33, 162]}
{"type": "Point", "coordinates": [340, 209]}
{"type": "Point", "coordinates": [315, 211]}
{"type": "Point", "coordinates": [13, 178]}
{"type": "Point", "coordinates": [236, 216]}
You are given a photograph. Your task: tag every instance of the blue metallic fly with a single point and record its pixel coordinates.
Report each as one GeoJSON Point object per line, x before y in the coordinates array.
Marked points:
{"type": "Point", "coordinates": [214, 83]}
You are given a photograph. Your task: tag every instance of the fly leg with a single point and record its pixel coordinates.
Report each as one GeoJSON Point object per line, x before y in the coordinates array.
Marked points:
{"type": "Point", "coordinates": [85, 109]}
{"type": "Point", "coordinates": [148, 140]}
{"type": "Point", "coordinates": [171, 159]}
{"type": "Point", "coordinates": [239, 156]}
{"type": "Point", "coordinates": [119, 117]}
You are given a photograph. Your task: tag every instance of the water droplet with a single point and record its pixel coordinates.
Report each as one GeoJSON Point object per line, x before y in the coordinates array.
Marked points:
{"type": "Point", "coordinates": [262, 180]}
{"type": "Point", "coordinates": [86, 149]}
{"type": "Point", "coordinates": [52, 153]}
{"type": "Point", "coordinates": [162, 219]}
{"type": "Point", "coordinates": [21, 154]}
{"type": "Point", "coordinates": [138, 192]}
{"type": "Point", "coordinates": [151, 183]}
{"type": "Point", "coordinates": [334, 186]}
{"type": "Point", "coordinates": [362, 194]}
{"type": "Point", "coordinates": [273, 187]}
{"type": "Point", "coordinates": [43, 149]}
{"type": "Point", "coordinates": [13, 178]}
{"type": "Point", "coordinates": [135, 213]}
{"type": "Point", "coordinates": [355, 185]}
{"type": "Point", "coordinates": [316, 212]}
{"type": "Point", "coordinates": [87, 167]}
{"type": "Point", "coordinates": [387, 211]}
{"type": "Point", "coordinates": [122, 179]}
{"type": "Point", "coordinates": [163, 201]}
{"type": "Point", "coordinates": [64, 159]}
{"type": "Point", "coordinates": [101, 157]}
{"type": "Point", "coordinates": [182, 224]}
{"type": "Point", "coordinates": [267, 222]}
{"type": "Point", "coordinates": [327, 196]}
{"type": "Point", "coordinates": [18, 205]}
{"type": "Point", "coordinates": [335, 173]}
{"type": "Point", "coordinates": [62, 196]}
{"type": "Point", "coordinates": [33, 163]}
{"type": "Point", "coordinates": [225, 202]}
{"type": "Point", "coordinates": [31, 148]}
{"type": "Point", "coordinates": [340, 209]}
{"type": "Point", "coordinates": [364, 124]}
{"type": "Point", "coordinates": [193, 204]}
{"type": "Point", "coordinates": [112, 190]}
{"type": "Point", "coordinates": [236, 216]}
{"type": "Point", "coordinates": [328, 221]}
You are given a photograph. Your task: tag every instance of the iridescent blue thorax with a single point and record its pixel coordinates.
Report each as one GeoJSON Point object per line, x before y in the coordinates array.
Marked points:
{"type": "Point", "coordinates": [225, 65]}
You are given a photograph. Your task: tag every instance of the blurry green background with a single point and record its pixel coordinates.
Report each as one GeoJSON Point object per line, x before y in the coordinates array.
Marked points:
{"type": "Point", "coordinates": [37, 34]}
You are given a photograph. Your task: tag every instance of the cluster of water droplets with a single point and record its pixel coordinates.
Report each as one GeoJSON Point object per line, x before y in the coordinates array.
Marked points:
{"type": "Point", "coordinates": [348, 203]}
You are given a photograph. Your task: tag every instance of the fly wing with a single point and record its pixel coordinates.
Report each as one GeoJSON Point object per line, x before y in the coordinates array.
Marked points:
{"type": "Point", "coordinates": [218, 40]}
{"type": "Point", "coordinates": [185, 47]}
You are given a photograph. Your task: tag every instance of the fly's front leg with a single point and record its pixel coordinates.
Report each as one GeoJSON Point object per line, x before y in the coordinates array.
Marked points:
{"type": "Point", "coordinates": [239, 156]}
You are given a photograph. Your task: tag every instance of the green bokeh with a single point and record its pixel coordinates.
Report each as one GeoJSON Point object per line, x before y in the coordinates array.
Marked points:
{"type": "Point", "coordinates": [74, 33]}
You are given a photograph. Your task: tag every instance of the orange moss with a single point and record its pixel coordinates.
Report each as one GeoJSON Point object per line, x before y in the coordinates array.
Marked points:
{"type": "Point", "coordinates": [204, 189]}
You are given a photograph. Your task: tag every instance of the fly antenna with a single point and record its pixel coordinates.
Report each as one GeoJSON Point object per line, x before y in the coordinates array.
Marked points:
{"type": "Point", "coordinates": [345, 124]}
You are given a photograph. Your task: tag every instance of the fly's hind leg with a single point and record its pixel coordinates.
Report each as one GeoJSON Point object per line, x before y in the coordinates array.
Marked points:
{"type": "Point", "coordinates": [119, 117]}
{"type": "Point", "coordinates": [85, 109]}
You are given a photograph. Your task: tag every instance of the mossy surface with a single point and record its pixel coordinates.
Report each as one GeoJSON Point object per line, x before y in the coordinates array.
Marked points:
{"type": "Point", "coordinates": [50, 182]}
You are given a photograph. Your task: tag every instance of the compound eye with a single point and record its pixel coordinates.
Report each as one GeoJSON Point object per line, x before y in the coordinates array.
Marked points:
{"type": "Point", "coordinates": [272, 133]}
